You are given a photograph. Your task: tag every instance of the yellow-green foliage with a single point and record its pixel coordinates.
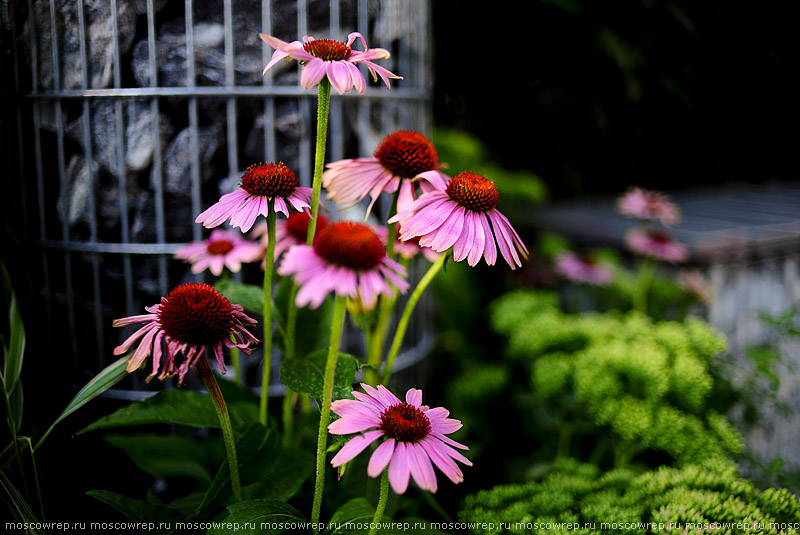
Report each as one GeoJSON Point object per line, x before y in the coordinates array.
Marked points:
{"type": "Point", "coordinates": [647, 381]}
{"type": "Point", "coordinates": [689, 499]}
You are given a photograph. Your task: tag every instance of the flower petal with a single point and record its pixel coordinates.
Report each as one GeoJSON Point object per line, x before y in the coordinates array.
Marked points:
{"type": "Point", "coordinates": [354, 446]}
{"type": "Point", "coordinates": [380, 458]}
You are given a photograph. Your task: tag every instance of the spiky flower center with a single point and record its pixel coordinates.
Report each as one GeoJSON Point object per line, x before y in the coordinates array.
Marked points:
{"type": "Point", "coordinates": [219, 247]}
{"type": "Point", "coordinates": [297, 225]}
{"type": "Point", "coordinates": [474, 192]}
{"type": "Point", "coordinates": [351, 245]}
{"type": "Point", "coordinates": [196, 314]}
{"type": "Point", "coordinates": [405, 423]}
{"type": "Point", "coordinates": [660, 236]}
{"type": "Point", "coordinates": [328, 49]}
{"type": "Point", "coordinates": [407, 154]}
{"type": "Point", "coordinates": [269, 180]}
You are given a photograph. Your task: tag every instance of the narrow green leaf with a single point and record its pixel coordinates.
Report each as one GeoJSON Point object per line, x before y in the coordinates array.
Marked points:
{"type": "Point", "coordinates": [101, 382]}
{"type": "Point", "coordinates": [140, 510]}
{"type": "Point", "coordinates": [307, 374]}
{"type": "Point", "coordinates": [258, 517]}
{"type": "Point", "coordinates": [16, 348]}
{"type": "Point", "coordinates": [24, 513]}
{"type": "Point", "coordinates": [172, 455]}
{"type": "Point", "coordinates": [181, 407]}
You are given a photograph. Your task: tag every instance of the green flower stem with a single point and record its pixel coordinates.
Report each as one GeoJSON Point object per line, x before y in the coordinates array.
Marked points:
{"type": "Point", "coordinates": [643, 280]}
{"type": "Point", "coordinates": [225, 423]}
{"type": "Point", "coordinates": [323, 106]}
{"type": "Point", "coordinates": [337, 324]}
{"type": "Point", "coordinates": [385, 309]}
{"type": "Point", "coordinates": [269, 262]}
{"type": "Point", "coordinates": [382, 499]}
{"type": "Point", "coordinates": [402, 325]}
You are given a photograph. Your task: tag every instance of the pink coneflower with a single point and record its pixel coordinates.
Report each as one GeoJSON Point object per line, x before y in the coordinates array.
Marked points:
{"type": "Point", "coordinates": [656, 243]}
{"type": "Point", "coordinates": [332, 58]}
{"type": "Point", "coordinates": [190, 319]}
{"type": "Point", "coordinates": [222, 249]}
{"type": "Point", "coordinates": [348, 259]}
{"type": "Point", "coordinates": [649, 206]}
{"type": "Point", "coordinates": [460, 217]}
{"type": "Point", "coordinates": [583, 268]}
{"type": "Point", "coordinates": [406, 249]}
{"type": "Point", "coordinates": [696, 284]}
{"type": "Point", "coordinates": [414, 437]}
{"type": "Point", "coordinates": [262, 185]}
{"type": "Point", "coordinates": [290, 231]}
{"type": "Point", "coordinates": [402, 160]}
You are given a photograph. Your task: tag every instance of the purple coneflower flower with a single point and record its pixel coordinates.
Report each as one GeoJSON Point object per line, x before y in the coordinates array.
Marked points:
{"type": "Point", "coordinates": [648, 205]}
{"type": "Point", "coordinates": [332, 58]}
{"type": "Point", "coordinates": [348, 259]}
{"type": "Point", "coordinates": [583, 268]}
{"type": "Point", "coordinates": [401, 160]}
{"type": "Point", "coordinates": [222, 249]}
{"type": "Point", "coordinates": [190, 319]}
{"type": "Point", "coordinates": [696, 284]}
{"type": "Point", "coordinates": [656, 243]}
{"type": "Point", "coordinates": [459, 217]}
{"type": "Point", "coordinates": [290, 231]}
{"type": "Point", "coordinates": [261, 185]}
{"type": "Point", "coordinates": [414, 437]}
{"type": "Point", "coordinates": [406, 249]}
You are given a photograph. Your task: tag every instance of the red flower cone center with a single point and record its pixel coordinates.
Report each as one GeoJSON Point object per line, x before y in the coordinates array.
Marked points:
{"type": "Point", "coordinates": [661, 237]}
{"type": "Point", "coordinates": [351, 245]}
{"type": "Point", "coordinates": [474, 192]}
{"type": "Point", "coordinates": [405, 423]}
{"type": "Point", "coordinates": [407, 154]}
{"type": "Point", "coordinates": [196, 314]}
{"type": "Point", "coordinates": [297, 225]}
{"type": "Point", "coordinates": [269, 180]}
{"type": "Point", "coordinates": [219, 247]}
{"type": "Point", "coordinates": [328, 49]}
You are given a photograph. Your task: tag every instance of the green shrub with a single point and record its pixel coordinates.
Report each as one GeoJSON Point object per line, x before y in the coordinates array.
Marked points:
{"type": "Point", "coordinates": [644, 384]}
{"type": "Point", "coordinates": [622, 501]}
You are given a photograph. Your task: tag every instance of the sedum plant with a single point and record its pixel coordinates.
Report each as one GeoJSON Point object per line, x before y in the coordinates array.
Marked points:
{"type": "Point", "coordinates": [634, 385]}
{"type": "Point", "coordinates": [579, 498]}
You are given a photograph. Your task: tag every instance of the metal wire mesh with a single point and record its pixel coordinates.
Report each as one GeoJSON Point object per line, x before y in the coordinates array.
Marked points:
{"type": "Point", "coordinates": [132, 116]}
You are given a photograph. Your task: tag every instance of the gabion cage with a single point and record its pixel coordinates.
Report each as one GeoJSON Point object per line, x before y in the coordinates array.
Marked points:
{"type": "Point", "coordinates": [130, 117]}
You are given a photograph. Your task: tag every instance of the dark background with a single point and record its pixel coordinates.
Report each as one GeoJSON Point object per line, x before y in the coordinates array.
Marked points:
{"type": "Point", "coordinates": [596, 96]}
{"type": "Point", "coordinates": [591, 96]}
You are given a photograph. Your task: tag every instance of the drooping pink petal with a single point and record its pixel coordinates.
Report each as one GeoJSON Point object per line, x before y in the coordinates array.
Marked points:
{"type": "Point", "coordinates": [420, 467]}
{"type": "Point", "coordinates": [380, 458]}
{"type": "Point", "coordinates": [399, 472]}
{"type": "Point", "coordinates": [354, 446]}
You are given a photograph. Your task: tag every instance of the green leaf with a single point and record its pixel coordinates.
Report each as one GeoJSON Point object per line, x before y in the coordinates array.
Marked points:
{"type": "Point", "coordinates": [250, 296]}
{"type": "Point", "coordinates": [140, 510]}
{"type": "Point", "coordinates": [181, 407]}
{"type": "Point", "coordinates": [356, 511]}
{"type": "Point", "coordinates": [307, 374]}
{"type": "Point", "coordinates": [101, 382]}
{"type": "Point", "coordinates": [16, 348]}
{"type": "Point", "coordinates": [23, 511]}
{"type": "Point", "coordinates": [313, 327]}
{"type": "Point", "coordinates": [172, 456]}
{"type": "Point", "coordinates": [277, 476]}
{"type": "Point", "coordinates": [262, 517]}
{"type": "Point", "coordinates": [256, 440]}
{"type": "Point", "coordinates": [268, 470]}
